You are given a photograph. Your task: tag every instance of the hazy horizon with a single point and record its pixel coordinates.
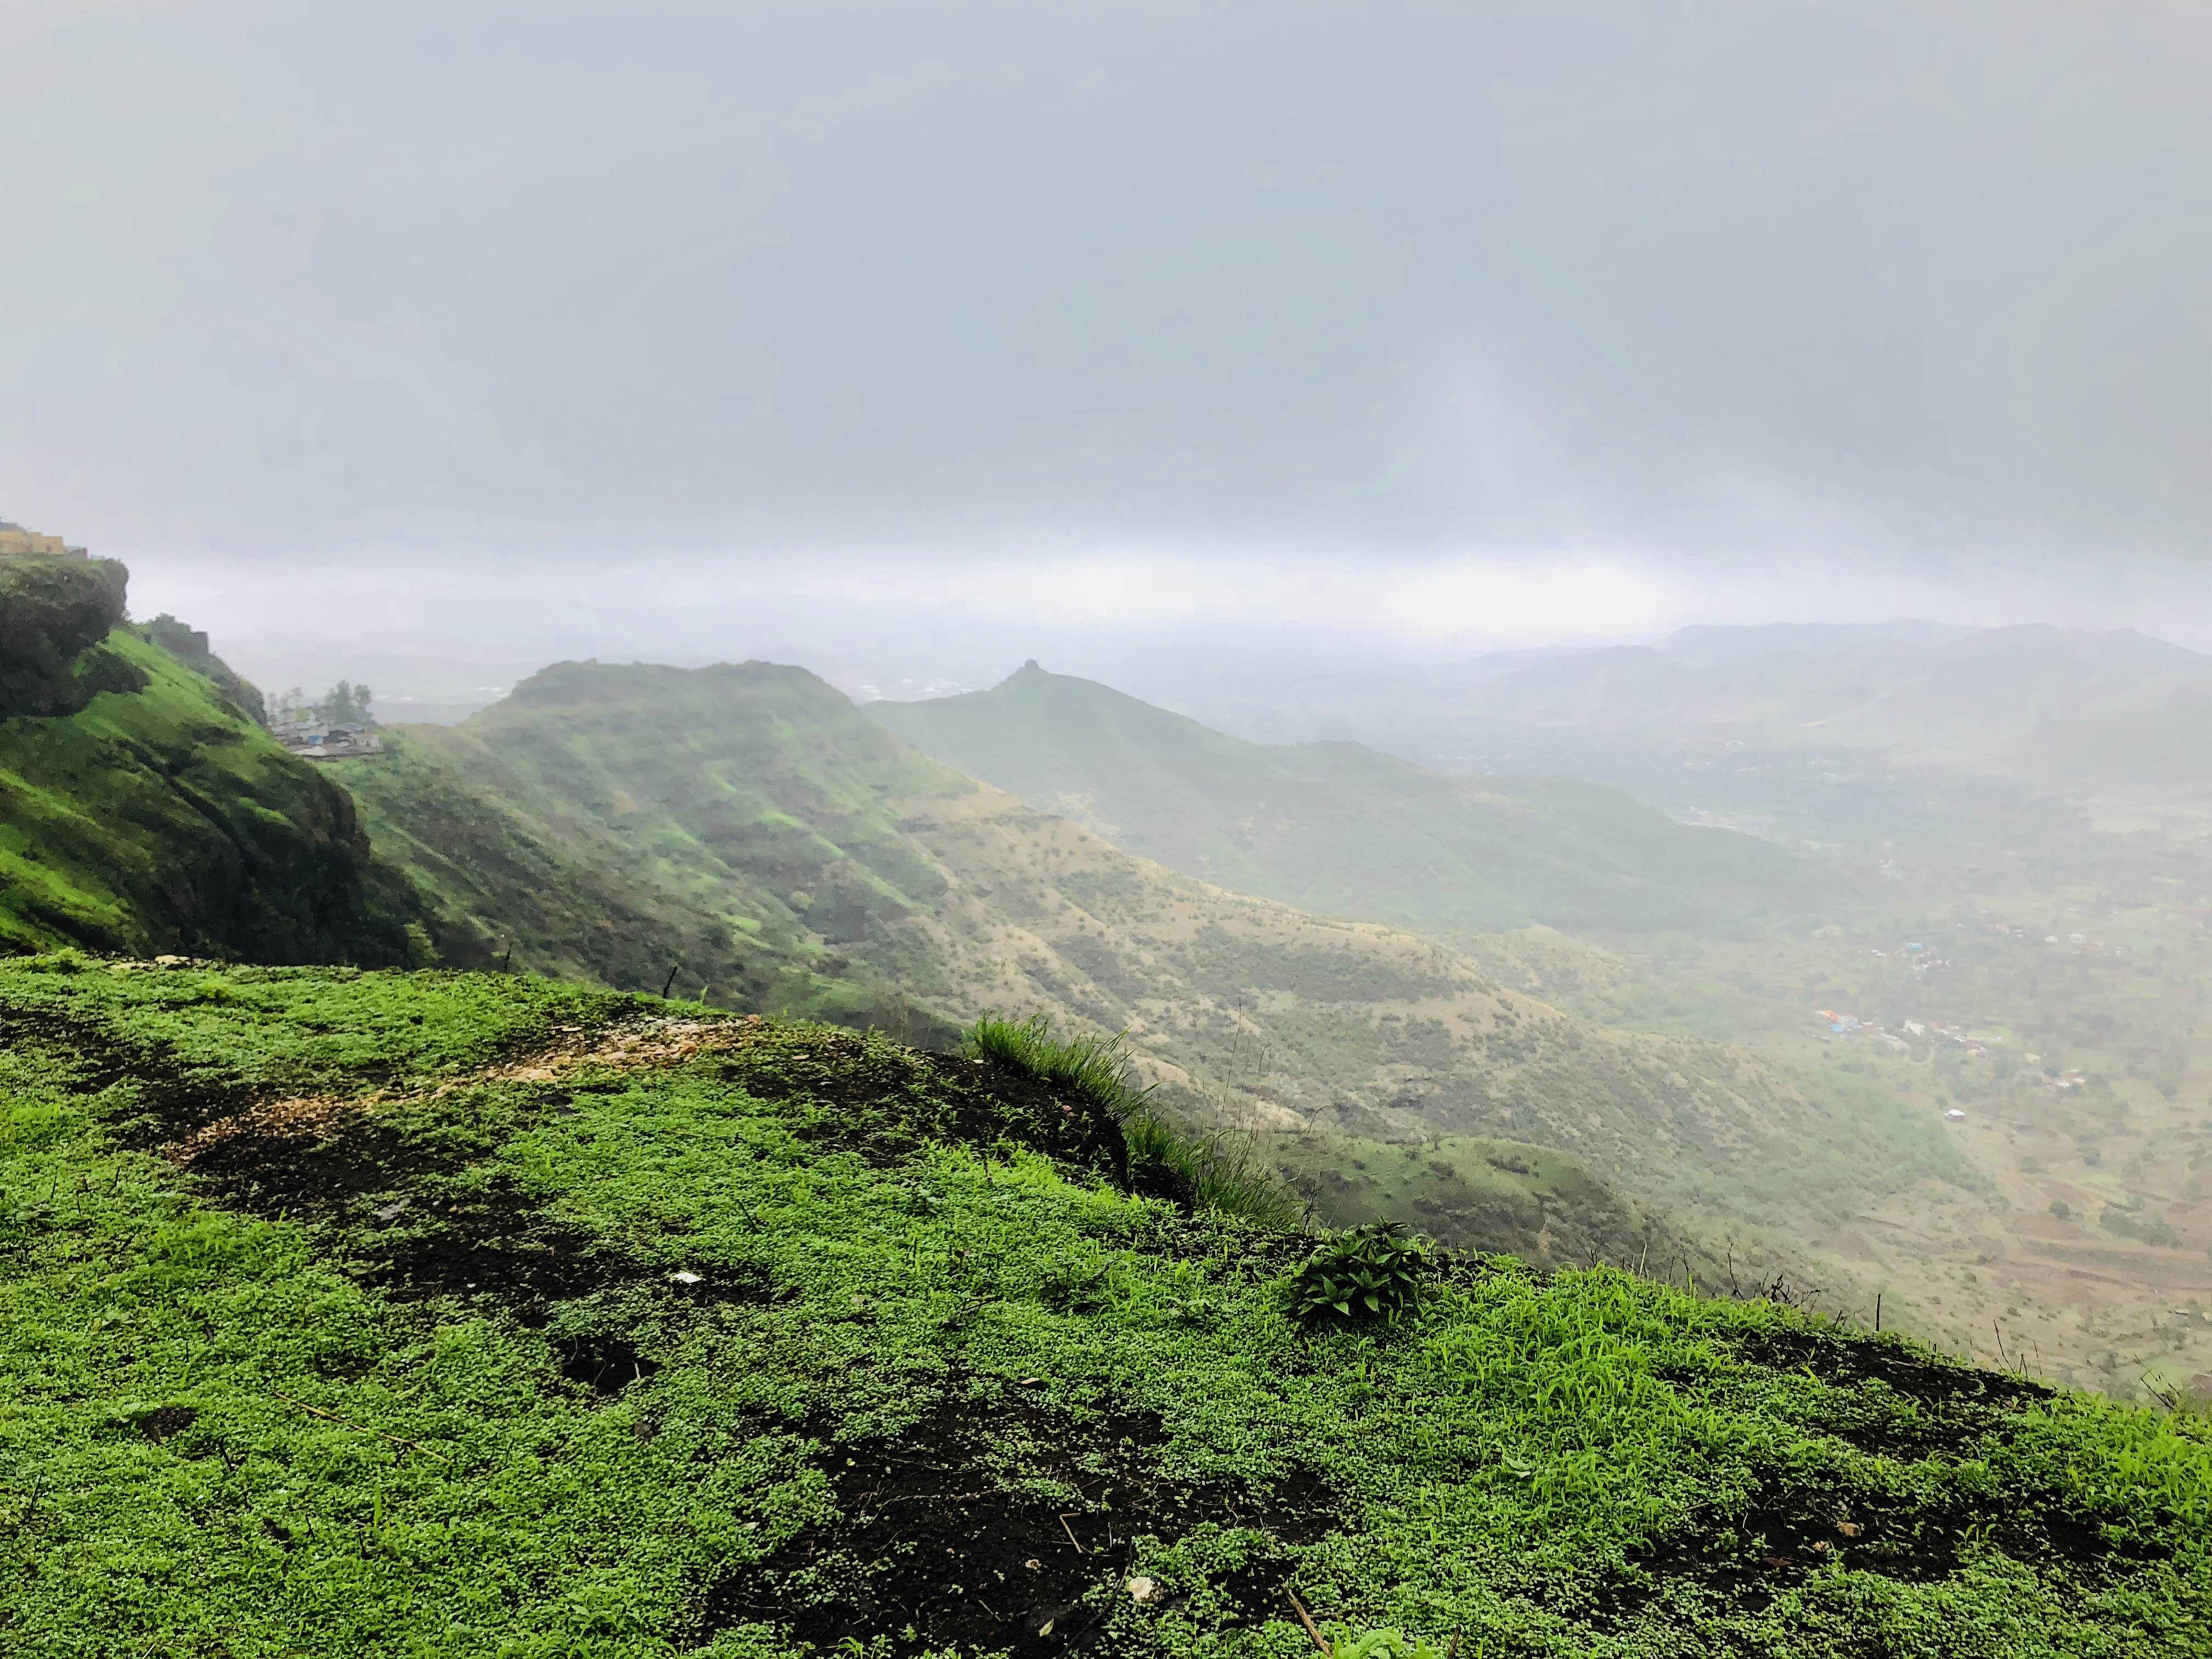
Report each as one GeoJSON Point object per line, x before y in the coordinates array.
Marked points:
{"type": "Point", "coordinates": [569, 331]}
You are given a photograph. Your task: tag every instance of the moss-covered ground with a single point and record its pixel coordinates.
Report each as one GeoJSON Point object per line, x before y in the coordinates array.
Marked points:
{"type": "Point", "coordinates": [432, 1314]}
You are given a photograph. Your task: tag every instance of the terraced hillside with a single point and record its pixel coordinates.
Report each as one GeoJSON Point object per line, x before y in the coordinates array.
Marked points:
{"type": "Point", "coordinates": [353, 1314]}
{"type": "Point", "coordinates": [758, 796]}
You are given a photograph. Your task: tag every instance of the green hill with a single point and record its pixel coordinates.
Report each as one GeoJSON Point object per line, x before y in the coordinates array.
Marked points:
{"type": "Point", "coordinates": [445, 1315]}
{"type": "Point", "coordinates": [757, 798]}
{"type": "Point", "coordinates": [1342, 829]}
{"type": "Point", "coordinates": [512, 873]}
{"type": "Point", "coordinates": [154, 816]}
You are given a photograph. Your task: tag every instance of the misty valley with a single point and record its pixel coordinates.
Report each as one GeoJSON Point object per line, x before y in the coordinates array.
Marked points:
{"type": "Point", "coordinates": [1817, 999]}
{"type": "Point", "coordinates": [1137, 831]}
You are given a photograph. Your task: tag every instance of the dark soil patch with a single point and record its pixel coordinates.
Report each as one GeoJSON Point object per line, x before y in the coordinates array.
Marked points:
{"type": "Point", "coordinates": [934, 1551]}
{"type": "Point", "coordinates": [1901, 1404]}
{"type": "Point", "coordinates": [159, 1426]}
{"type": "Point", "coordinates": [1792, 1530]}
{"type": "Point", "coordinates": [886, 1105]}
{"type": "Point", "coordinates": [1897, 1404]}
{"type": "Point", "coordinates": [172, 1098]}
{"type": "Point", "coordinates": [1849, 1360]}
{"type": "Point", "coordinates": [604, 1365]}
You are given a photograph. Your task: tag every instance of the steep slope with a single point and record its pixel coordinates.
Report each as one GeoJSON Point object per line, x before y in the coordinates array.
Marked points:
{"type": "Point", "coordinates": [1341, 830]}
{"type": "Point", "coordinates": [162, 819]}
{"type": "Point", "coordinates": [464, 1314]}
{"type": "Point", "coordinates": [758, 795]}
{"type": "Point", "coordinates": [514, 874]}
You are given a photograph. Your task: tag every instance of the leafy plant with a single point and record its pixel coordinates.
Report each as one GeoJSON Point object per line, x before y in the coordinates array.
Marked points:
{"type": "Point", "coordinates": [1384, 1644]}
{"type": "Point", "coordinates": [1367, 1275]}
{"type": "Point", "coordinates": [1189, 1299]}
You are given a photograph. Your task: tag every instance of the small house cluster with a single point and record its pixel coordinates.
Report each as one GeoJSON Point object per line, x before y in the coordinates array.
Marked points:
{"type": "Point", "coordinates": [305, 732]}
{"type": "Point", "coordinates": [2082, 942]}
{"type": "Point", "coordinates": [1923, 961]}
{"type": "Point", "coordinates": [1849, 1025]}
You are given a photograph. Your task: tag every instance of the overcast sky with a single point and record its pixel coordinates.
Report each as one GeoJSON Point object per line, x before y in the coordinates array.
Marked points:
{"type": "Point", "coordinates": [1655, 310]}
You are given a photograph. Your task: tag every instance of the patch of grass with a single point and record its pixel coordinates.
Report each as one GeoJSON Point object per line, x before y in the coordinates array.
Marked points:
{"type": "Point", "coordinates": [1222, 1170]}
{"type": "Point", "coordinates": [1217, 1170]}
{"type": "Point", "coordinates": [1096, 1069]}
{"type": "Point", "coordinates": [773, 1349]}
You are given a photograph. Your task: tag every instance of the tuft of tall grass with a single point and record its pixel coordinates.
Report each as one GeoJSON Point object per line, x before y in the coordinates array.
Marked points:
{"type": "Point", "coordinates": [1096, 1069]}
{"type": "Point", "coordinates": [1218, 1170]}
{"type": "Point", "coordinates": [1222, 1170]}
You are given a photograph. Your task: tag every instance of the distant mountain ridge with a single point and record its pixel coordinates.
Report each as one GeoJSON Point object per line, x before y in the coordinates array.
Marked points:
{"type": "Point", "coordinates": [2115, 708]}
{"type": "Point", "coordinates": [1343, 829]}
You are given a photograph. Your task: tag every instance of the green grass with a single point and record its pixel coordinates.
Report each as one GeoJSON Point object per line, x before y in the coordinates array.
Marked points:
{"type": "Point", "coordinates": [1091, 1067]}
{"type": "Point", "coordinates": [804, 1341]}
{"type": "Point", "coordinates": [1217, 1170]}
{"type": "Point", "coordinates": [164, 820]}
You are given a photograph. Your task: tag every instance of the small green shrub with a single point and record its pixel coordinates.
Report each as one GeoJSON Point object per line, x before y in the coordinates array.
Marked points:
{"type": "Point", "coordinates": [1366, 1276]}
{"type": "Point", "coordinates": [1384, 1644]}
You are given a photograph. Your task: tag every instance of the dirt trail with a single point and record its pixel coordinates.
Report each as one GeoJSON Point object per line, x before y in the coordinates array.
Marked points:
{"type": "Point", "coordinates": [649, 1044]}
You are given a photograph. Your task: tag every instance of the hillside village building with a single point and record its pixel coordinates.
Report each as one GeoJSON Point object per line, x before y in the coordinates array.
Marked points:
{"type": "Point", "coordinates": [306, 733]}
{"type": "Point", "coordinates": [17, 543]}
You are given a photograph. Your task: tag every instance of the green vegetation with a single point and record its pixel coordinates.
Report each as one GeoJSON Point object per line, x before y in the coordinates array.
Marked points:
{"type": "Point", "coordinates": [54, 616]}
{"type": "Point", "coordinates": [623, 825]}
{"type": "Point", "coordinates": [1369, 1275]}
{"type": "Point", "coordinates": [1093, 1069]}
{"type": "Point", "coordinates": [822, 868]}
{"type": "Point", "coordinates": [1340, 829]}
{"type": "Point", "coordinates": [158, 818]}
{"type": "Point", "coordinates": [1549, 1208]}
{"type": "Point", "coordinates": [1214, 1169]}
{"type": "Point", "coordinates": [556, 892]}
{"type": "Point", "coordinates": [359, 1314]}
{"type": "Point", "coordinates": [189, 646]}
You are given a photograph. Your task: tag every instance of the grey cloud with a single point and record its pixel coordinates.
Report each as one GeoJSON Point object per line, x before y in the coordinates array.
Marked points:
{"type": "Point", "coordinates": [1391, 276]}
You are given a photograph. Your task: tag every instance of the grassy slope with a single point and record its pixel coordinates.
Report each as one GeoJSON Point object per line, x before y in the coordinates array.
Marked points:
{"type": "Point", "coordinates": [759, 794]}
{"type": "Point", "coordinates": [1469, 1191]}
{"type": "Point", "coordinates": [512, 873]}
{"type": "Point", "coordinates": [1343, 829]}
{"type": "Point", "coordinates": [163, 820]}
{"type": "Point", "coordinates": [285, 1369]}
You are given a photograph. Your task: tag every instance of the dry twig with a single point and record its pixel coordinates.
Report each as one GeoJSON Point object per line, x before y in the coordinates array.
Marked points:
{"type": "Point", "coordinates": [1305, 1619]}
{"type": "Point", "coordinates": [317, 1411]}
